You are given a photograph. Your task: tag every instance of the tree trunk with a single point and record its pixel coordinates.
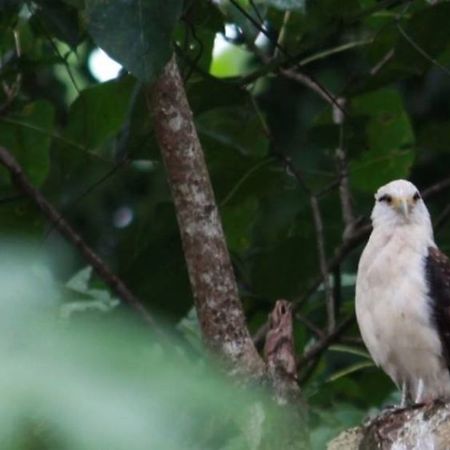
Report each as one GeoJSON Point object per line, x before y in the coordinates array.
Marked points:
{"type": "Point", "coordinates": [211, 274]}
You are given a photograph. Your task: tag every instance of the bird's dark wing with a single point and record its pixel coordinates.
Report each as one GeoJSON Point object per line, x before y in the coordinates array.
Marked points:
{"type": "Point", "coordinates": [438, 278]}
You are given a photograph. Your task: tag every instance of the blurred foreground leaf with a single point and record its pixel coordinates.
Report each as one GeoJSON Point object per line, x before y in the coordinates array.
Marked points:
{"type": "Point", "coordinates": [109, 385]}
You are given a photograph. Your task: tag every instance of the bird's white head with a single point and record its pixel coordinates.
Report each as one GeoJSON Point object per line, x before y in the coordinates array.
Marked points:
{"type": "Point", "coordinates": [400, 203]}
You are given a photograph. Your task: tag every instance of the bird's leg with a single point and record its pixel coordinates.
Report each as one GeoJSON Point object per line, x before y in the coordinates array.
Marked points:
{"type": "Point", "coordinates": [404, 399]}
{"type": "Point", "coordinates": [419, 391]}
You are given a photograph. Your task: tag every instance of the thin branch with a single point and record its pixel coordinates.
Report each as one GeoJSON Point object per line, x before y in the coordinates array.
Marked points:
{"type": "Point", "coordinates": [116, 284]}
{"type": "Point", "coordinates": [442, 218]}
{"type": "Point", "coordinates": [320, 239]}
{"type": "Point", "coordinates": [307, 80]}
{"type": "Point", "coordinates": [334, 50]}
{"type": "Point", "coordinates": [89, 189]}
{"type": "Point", "coordinates": [436, 188]}
{"type": "Point", "coordinates": [11, 91]}
{"type": "Point", "coordinates": [278, 64]}
{"type": "Point", "coordinates": [420, 50]}
{"type": "Point", "coordinates": [343, 174]}
{"type": "Point", "coordinates": [282, 33]}
{"type": "Point", "coordinates": [382, 62]}
{"type": "Point", "coordinates": [320, 346]}
{"type": "Point", "coordinates": [310, 83]}
{"type": "Point", "coordinates": [310, 325]}
{"type": "Point", "coordinates": [55, 48]}
{"type": "Point", "coordinates": [244, 178]}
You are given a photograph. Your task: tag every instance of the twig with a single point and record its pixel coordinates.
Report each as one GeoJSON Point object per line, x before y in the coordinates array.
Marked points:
{"type": "Point", "coordinates": [324, 343]}
{"type": "Point", "coordinates": [282, 33]}
{"type": "Point", "coordinates": [310, 83]}
{"type": "Point", "coordinates": [383, 61]}
{"type": "Point", "coordinates": [117, 286]}
{"type": "Point", "coordinates": [12, 91]}
{"type": "Point", "coordinates": [420, 50]}
{"type": "Point", "coordinates": [442, 218]}
{"type": "Point", "coordinates": [320, 239]}
{"type": "Point", "coordinates": [301, 77]}
{"type": "Point", "coordinates": [436, 188]}
{"type": "Point", "coordinates": [276, 65]}
{"type": "Point", "coordinates": [342, 169]}
{"type": "Point", "coordinates": [310, 325]}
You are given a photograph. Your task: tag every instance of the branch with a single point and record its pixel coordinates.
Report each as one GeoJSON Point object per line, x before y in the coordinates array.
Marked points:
{"type": "Point", "coordinates": [116, 284]}
{"type": "Point", "coordinates": [417, 427]}
{"type": "Point", "coordinates": [442, 219]}
{"type": "Point", "coordinates": [420, 50]}
{"type": "Point", "coordinates": [320, 346]}
{"type": "Point", "coordinates": [307, 80]}
{"type": "Point", "coordinates": [310, 83]}
{"type": "Point", "coordinates": [210, 271]}
{"type": "Point", "coordinates": [324, 270]}
{"type": "Point", "coordinates": [436, 188]}
{"type": "Point", "coordinates": [343, 173]}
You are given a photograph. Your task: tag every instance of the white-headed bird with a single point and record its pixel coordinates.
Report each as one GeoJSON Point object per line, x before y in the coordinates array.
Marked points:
{"type": "Point", "coordinates": [403, 295]}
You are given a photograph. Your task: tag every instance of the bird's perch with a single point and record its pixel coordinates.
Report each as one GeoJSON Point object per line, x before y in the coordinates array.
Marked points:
{"type": "Point", "coordinates": [422, 427]}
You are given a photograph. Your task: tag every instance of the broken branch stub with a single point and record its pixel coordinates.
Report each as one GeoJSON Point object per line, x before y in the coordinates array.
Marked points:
{"type": "Point", "coordinates": [279, 353]}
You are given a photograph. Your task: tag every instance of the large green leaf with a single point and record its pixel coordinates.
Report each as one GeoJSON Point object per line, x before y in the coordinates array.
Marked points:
{"type": "Point", "coordinates": [60, 19]}
{"type": "Point", "coordinates": [136, 33]}
{"type": "Point", "coordinates": [28, 135]}
{"type": "Point", "coordinates": [390, 138]}
{"type": "Point", "coordinates": [99, 113]}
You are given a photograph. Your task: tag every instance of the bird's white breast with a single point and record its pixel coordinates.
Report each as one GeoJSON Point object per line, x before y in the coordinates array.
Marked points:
{"type": "Point", "coordinates": [393, 310]}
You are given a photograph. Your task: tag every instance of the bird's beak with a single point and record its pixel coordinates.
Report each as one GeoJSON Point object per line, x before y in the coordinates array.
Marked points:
{"type": "Point", "coordinates": [403, 205]}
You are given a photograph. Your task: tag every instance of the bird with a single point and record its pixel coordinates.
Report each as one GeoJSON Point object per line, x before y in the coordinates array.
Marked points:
{"type": "Point", "coordinates": [402, 296]}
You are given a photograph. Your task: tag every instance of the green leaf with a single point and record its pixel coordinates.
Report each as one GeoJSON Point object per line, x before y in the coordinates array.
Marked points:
{"type": "Point", "coordinates": [238, 128]}
{"type": "Point", "coordinates": [237, 223]}
{"type": "Point", "coordinates": [99, 113]}
{"type": "Point", "coordinates": [28, 134]}
{"type": "Point", "coordinates": [351, 369]}
{"type": "Point", "coordinates": [60, 19]}
{"type": "Point", "coordinates": [390, 138]}
{"type": "Point", "coordinates": [225, 94]}
{"type": "Point", "coordinates": [350, 350]}
{"type": "Point", "coordinates": [80, 281]}
{"type": "Point", "coordinates": [136, 33]}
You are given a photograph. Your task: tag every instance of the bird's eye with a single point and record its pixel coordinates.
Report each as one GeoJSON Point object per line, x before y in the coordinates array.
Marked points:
{"type": "Point", "coordinates": [385, 198]}
{"type": "Point", "coordinates": [416, 197]}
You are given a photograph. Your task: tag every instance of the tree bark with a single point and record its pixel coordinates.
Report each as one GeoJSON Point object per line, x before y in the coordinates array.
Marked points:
{"type": "Point", "coordinates": [424, 427]}
{"type": "Point", "coordinates": [211, 274]}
